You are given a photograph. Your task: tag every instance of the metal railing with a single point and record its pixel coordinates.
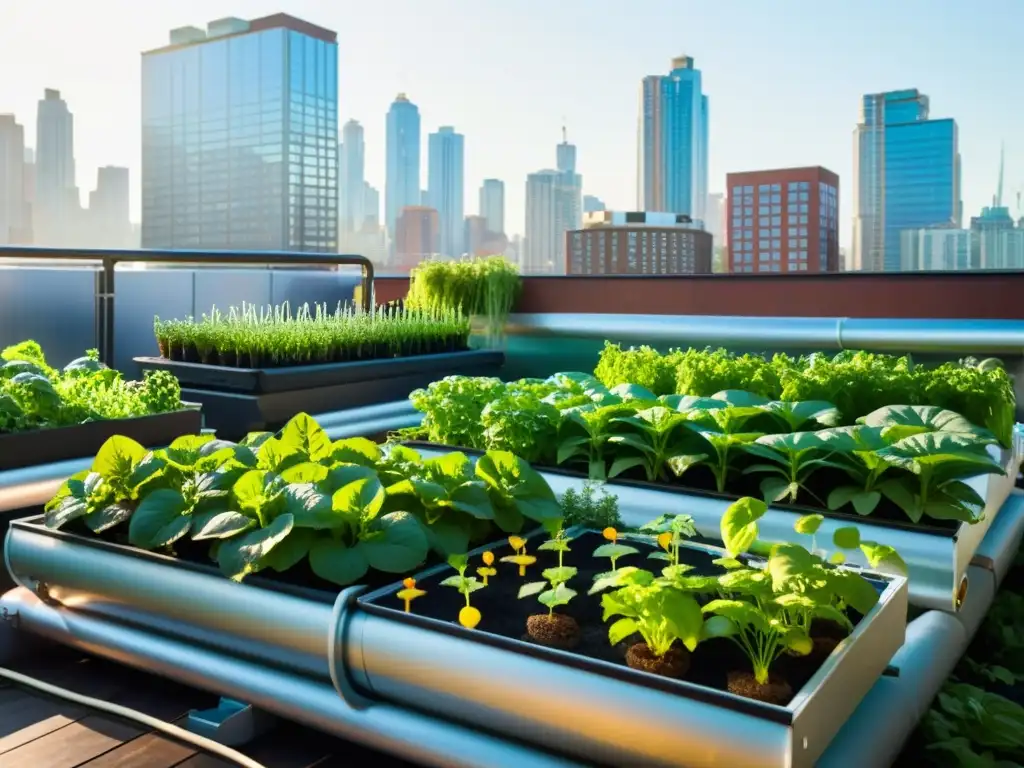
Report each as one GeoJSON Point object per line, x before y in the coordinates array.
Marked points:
{"type": "Point", "coordinates": [108, 259]}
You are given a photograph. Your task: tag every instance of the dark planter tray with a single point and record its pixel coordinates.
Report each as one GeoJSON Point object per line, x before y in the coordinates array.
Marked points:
{"type": "Point", "coordinates": [260, 381]}
{"type": "Point", "coordinates": [232, 414]}
{"type": "Point", "coordinates": [45, 446]}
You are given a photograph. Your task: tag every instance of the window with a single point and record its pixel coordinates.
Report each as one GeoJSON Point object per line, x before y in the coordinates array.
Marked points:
{"type": "Point", "coordinates": [776, 232]}
{"type": "Point", "coordinates": [763, 210]}
{"type": "Point", "coordinates": [764, 188]}
{"type": "Point", "coordinates": [776, 221]}
{"type": "Point", "coordinates": [764, 221]}
{"type": "Point", "coordinates": [803, 231]}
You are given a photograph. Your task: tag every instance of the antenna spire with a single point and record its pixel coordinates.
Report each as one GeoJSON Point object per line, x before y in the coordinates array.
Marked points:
{"type": "Point", "coordinates": [565, 135]}
{"type": "Point", "coordinates": [999, 188]}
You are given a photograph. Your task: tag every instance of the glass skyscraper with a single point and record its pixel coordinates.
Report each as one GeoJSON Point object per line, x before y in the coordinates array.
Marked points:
{"type": "Point", "coordinates": [402, 186]}
{"type": "Point", "coordinates": [907, 172]}
{"type": "Point", "coordinates": [445, 186]}
{"type": "Point", "coordinates": [672, 163]}
{"type": "Point", "coordinates": [240, 137]}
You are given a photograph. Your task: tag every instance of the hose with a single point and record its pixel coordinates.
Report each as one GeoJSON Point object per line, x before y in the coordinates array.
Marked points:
{"type": "Point", "coordinates": [168, 729]}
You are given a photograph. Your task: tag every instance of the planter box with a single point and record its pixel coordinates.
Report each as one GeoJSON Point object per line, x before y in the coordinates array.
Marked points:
{"type": "Point", "coordinates": [937, 557]}
{"type": "Point", "coordinates": [45, 446]}
{"type": "Point", "coordinates": [241, 400]}
{"type": "Point", "coordinates": [387, 669]}
{"type": "Point", "coordinates": [608, 712]}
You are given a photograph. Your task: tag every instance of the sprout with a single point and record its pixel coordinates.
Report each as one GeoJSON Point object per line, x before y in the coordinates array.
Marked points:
{"type": "Point", "coordinates": [517, 543]}
{"type": "Point", "coordinates": [613, 550]}
{"type": "Point", "coordinates": [487, 570]}
{"type": "Point", "coordinates": [469, 616]}
{"type": "Point", "coordinates": [409, 593]}
{"type": "Point", "coordinates": [521, 560]}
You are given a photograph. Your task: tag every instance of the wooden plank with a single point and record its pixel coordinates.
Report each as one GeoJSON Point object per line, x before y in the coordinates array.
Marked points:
{"type": "Point", "coordinates": [287, 746]}
{"type": "Point", "coordinates": [151, 750]}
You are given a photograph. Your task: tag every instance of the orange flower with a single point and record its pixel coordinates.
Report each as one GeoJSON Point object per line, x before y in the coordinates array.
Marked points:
{"type": "Point", "coordinates": [610, 533]}
{"type": "Point", "coordinates": [409, 583]}
{"type": "Point", "coordinates": [664, 540]}
{"type": "Point", "coordinates": [488, 558]}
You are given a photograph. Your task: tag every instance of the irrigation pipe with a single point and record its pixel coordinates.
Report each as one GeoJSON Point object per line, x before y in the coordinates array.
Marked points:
{"type": "Point", "coordinates": [173, 731]}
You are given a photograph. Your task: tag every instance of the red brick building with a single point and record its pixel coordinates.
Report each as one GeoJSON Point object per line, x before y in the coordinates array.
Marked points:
{"type": "Point", "coordinates": [417, 237]}
{"type": "Point", "coordinates": [637, 243]}
{"type": "Point", "coordinates": [784, 220]}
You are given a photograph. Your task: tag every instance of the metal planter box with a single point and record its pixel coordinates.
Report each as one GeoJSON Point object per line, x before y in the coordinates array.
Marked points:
{"type": "Point", "coordinates": [382, 665]}
{"type": "Point", "coordinates": [937, 558]}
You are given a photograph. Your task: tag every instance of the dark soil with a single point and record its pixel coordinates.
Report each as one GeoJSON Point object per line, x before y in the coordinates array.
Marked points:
{"type": "Point", "coordinates": [776, 691]}
{"type": "Point", "coordinates": [505, 615]}
{"type": "Point", "coordinates": [229, 358]}
{"type": "Point", "coordinates": [556, 630]}
{"type": "Point", "coordinates": [675, 663]}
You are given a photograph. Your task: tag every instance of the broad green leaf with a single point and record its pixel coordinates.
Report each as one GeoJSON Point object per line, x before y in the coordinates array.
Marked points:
{"type": "Point", "coordinates": [739, 612]}
{"type": "Point", "coordinates": [397, 543]}
{"type": "Point", "coordinates": [559, 574]}
{"type": "Point", "coordinates": [612, 549]}
{"type": "Point", "coordinates": [276, 456]}
{"type": "Point", "coordinates": [740, 398]}
{"type": "Point", "coordinates": [533, 588]}
{"type": "Point", "coordinates": [343, 474]}
{"type": "Point", "coordinates": [311, 508]}
{"type": "Point", "coordinates": [356, 450]}
{"type": "Point", "coordinates": [160, 519]}
{"type": "Point", "coordinates": [256, 488]}
{"type": "Point", "coordinates": [899, 491]}
{"type": "Point", "coordinates": [471, 497]}
{"type": "Point", "coordinates": [846, 538]}
{"type": "Point", "coordinates": [332, 561]}
{"type": "Point", "coordinates": [455, 465]}
{"type": "Point", "coordinates": [560, 595]}
{"type": "Point", "coordinates": [739, 524]}
{"type": "Point", "coordinates": [117, 457]}
{"type": "Point", "coordinates": [220, 525]}
{"type": "Point", "coordinates": [684, 615]}
{"type": "Point", "coordinates": [306, 472]}
{"type": "Point", "coordinates": [883, 556]}
{"type": "Point", "coordinates": [245, 554]}
{"type": "Point", "coordinates": [863, 502]}
{"type": "Point", "coordinates": [717, 626]}
{"type": "Point", "coordinates": [633, 392]}
{"type": "Point", "coordinates": [792, 442]}
{"type": "Point", "coordinates": [290, 552]}
{"type": "Point", "coordinates": [305, 435]}
{"type": "Point", "coordinates": [69, 508]}
{"type": "Point", "coordinates": [795, 415]}
{"type": "Point", "coordinates": [853, 589]}
{"type": "Point", "coordinates": [833, 614]}
{"type": "Point", "coordinates": [775, 489]}
{"type": "Point", "coordinates": [517, 481]}
{"type": "Point", "coordinates": [447, 536]}
{"type": "Point", "coordinates": [145, 474]}
{"type": "Point", "coordinates": [622, 629]}
{"type": "Point", "coordinates": [184, 452]}
{"type": "Point", "coordinates": [254, 440]}
{"type": "Point", "coordinates": [808, 524]}
{"type": "Point", "coordinates": [788, 565]}
{"type": "Point", "coordinates": [624, 464]}
{"type": "Point", "coordinates": [902, 421]}
{"type": "Point", "coordinates": [361, 499]}
{"type": "Point", "coordinates": [108, 517]}
{"type": "Point", "coordinates": [798, 642]}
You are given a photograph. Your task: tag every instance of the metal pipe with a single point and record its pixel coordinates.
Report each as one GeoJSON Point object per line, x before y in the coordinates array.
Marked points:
{"type": "Point", "coordinates": [409, 735]}
{"type": "Point", "coordinates": [33, 486]}
{"type": "Point", "coordinates": [782, 333]}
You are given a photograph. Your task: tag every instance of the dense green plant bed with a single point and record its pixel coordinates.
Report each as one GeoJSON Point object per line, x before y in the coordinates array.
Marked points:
{"type": "Point", "coordinates": [652, 602]}
{"type": "Point", "coordinates": [271, 337]}
{"type": "Point", "coordinates": [295, 503]}
{"type": "Point", "coordinates": [856, 382]}
{"type": "Point", "coordinates": [35, 396]}
{"type": "Point", "coordinates": [899, 463]}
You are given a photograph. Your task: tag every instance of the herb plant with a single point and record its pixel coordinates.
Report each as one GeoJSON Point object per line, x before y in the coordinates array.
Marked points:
{"type": "Point", "coordinates": [585, 508]}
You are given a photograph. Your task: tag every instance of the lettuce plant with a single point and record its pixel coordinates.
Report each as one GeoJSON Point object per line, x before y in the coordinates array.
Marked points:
{"type": "Point", "coordinates": [653, 437]}
{"type": "Point", "coordinates": [584, 434]}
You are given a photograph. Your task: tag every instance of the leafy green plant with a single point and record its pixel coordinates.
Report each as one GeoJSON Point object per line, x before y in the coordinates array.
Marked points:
{"type": "Point", "coordinates": [522, 424]}
{"type": "Point", "coordinates": [792, 459]}
{"type": "Point", "coordinates": [584, 434]}
{"type": "Point", "coordinates": [469, 616]}
{"type": "Point", "coordinates": [453, 407]}
{"type": "Point", "coordinates": [613, 550]}
{"type": "Point", "coordinates": [656, 436]}
{"type": "Point", "coordinates": [585, 508]}
{"type": "Point", "coordinates": [553, 592]}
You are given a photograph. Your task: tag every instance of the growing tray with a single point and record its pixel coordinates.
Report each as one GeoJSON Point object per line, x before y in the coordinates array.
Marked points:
{"type": "Point", "coordinates": [238, 400]}
{"type": "Point", "coordinates": [937, 557]}
{"type": "Point", "coordinates": [601, 719]}
{"type": "Point", "coordinates": [605, 709]}
{"type": "Point", "coordinates": [44, 446]}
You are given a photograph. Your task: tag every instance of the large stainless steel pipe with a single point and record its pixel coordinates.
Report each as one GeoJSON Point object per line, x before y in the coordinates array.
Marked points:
{"type": "Point", "coordinates": [412, 736]}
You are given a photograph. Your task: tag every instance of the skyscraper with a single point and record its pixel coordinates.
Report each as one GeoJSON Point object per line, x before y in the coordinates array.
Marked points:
{"type": "Point", "coordinates": [239, 137]}
{"type": "Point", "coordinates": [13, 206]}
{"type": "Point", "coordinates": [109, 223]}
{"type": "Point", "coordinates": [57, 205]}
{"type": "Point", "coordinates": [571, 193]}
{"type": "Point", "coordinates": [402, 186]}
{"type": "Point", "coordinates": [446, 185]}
{"type": "Point", "coordinates": [907, 176]}
{"type": "Point", "coordinates": [672, 162]}
{"type": "Point", "coordinates": [544, 230]}
{"type": "Point", "coordinates": [492, 204]}
{"type": "Point", "coordinates": [371, 207]}
{"type": "Point", "coordinates": [351, 178]}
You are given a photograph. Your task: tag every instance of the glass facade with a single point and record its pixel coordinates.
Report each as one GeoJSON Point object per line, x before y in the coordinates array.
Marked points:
{"type": "Point", "coordinates": [240, 144]}
{"type": "Point", "coordinates": [402, 186]}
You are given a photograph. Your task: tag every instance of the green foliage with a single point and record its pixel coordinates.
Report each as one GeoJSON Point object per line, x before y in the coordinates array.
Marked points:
{"type": "Point", "coordinates": [273, 336]}
{"type": "Point", "coordinates": [644, 366]}
{"type": "Point", "coordinates": [588, 509]}
{"type": "Point", "coordinates": [273, 501]}
{"type": "Point", "coordinates": [553, 591]}
{"type": "Point", "coordinates": [35, 396]}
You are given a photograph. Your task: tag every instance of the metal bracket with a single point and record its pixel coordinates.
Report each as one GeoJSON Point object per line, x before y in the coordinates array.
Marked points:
{"type": "Point", "coordinates": [232, 723]}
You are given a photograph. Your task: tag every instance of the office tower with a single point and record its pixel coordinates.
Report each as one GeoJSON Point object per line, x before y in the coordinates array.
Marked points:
{"type": "Point", "coordinates": [544, 227]}
{"type": "Point", "coordinates": [57, 207]}
{"type": "Point", "coordinates": [571, 197]}
{"type": "Point", "coordinates": [907, 176]}
{"type": "Point", "coordinates": [492, 204]}
{"type": "Point", "coordinates": [446, 186]}
{"type": "Point", "coordinates": [637, 243]}
{"type": "Point", "coordinates": [714, 217]}
{"type": "Point", "coordinates": [240, 137]}
{"type": "Point", "coordinates": [109, 222]}
{"type": "Point", "coordinates": [417, 237]}
{"type": "Point", "coordinates": [784, 220]}
{"type": "Point", "coordinates": [402, 186]}
{"type": "Point", "coordinates": [13, 205]}
{"type": "Point", "coordinates": [672, 146]}
{"type": "Point", "coordinates": [351, 177]}
{"type": "Point", "coordinates": [592, 204]}
{"type": "Point", "coordinates": [371, 207]}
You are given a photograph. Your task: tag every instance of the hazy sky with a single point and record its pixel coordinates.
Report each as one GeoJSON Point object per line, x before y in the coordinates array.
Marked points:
{"type": "Point", "coordinates": [784, 77]}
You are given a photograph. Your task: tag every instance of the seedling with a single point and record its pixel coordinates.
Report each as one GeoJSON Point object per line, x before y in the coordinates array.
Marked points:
{"type": "Point", "coordinates": [409, 592]}
{"type": "Point", "coordinates": [520, 557]}
{"type": "Point", "coordinates": [552, 628]}
{"type": "Point", "coordinates": [486, 571]}
{"type": "Point", "coordinates": [671, 531]}
{"type": "Point", "coordinates": [613, 550]}
{"type": "Point", "coordinates": [469, 616]}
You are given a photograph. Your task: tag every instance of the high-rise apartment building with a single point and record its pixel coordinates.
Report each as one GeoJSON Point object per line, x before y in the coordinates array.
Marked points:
{"type": "Point", "coordinates": [637, 243]}
{"type": "Point", "coordinates": [544, 226]}
{"type": "Point", "coordinates": [14, 210]}
{"type": "Point", "coordinates": [417, 237]}
{"type": "Point", "coordinates": [402, 185]}
{"type": "Point", "coordinates": [906, 176]}
{"type": "Point", "coordinates": [446, 186]}
{"type": "Point", "coordinates": [714, 218]}
{"type": "Point", "coordinates": [240, 137]}
{"type": "Point", "coordinates": [993, 241]}
{"type": "Point", "coordinates": [784, 220]}
{"type": "Point", "coordinates": [351, 178]}
{"type": "Point", "coordinates": [672, 162]}
{"type": "Point", "coordinates": [57, 208]}
{"type": "Point", "coordinates": [492, 204]}
{"type": "Point", "coordinates": [108, 217]}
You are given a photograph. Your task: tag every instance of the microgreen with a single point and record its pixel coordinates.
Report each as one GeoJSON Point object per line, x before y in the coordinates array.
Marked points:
{"type": "Point", "coordinates": [613, 550]}
{"type": "Point", "coordinates": [469, 616]}
{"type": "Point", "coordinates": [553, 592]}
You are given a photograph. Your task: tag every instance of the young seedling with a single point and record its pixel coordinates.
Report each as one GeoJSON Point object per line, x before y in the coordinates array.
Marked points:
{"type": "Point", "coordinates": [554, 629]}
{"type": "Point", "coordinates": [409, 592]}
{"type": "Point", "coordinates": [520, 558]}
{"type": "Point", "coordinates": [469, 616]}
{"type": "Point", "coordinates": [486, 571]}
{"type": "Point", "coordinates": [613, 550]}
{"type": "Point", "coordinates": [671, 531]}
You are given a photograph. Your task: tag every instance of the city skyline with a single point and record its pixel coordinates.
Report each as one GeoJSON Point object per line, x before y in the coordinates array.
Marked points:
{"type": "Point", "coordinates": [821, 83]}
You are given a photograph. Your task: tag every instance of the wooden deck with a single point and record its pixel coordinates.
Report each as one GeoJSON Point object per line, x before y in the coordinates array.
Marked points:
{"type": "Point", "coordinates": [40, 732]}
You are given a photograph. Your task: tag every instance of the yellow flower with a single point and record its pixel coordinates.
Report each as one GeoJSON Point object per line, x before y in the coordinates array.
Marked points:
{"type": "Point", "coordinates": [521, 560]}
{"type": "Point", "coordinates": [488, 558]}
{"type": "Point", "coordinates": [516, 542]}
{"type": "Point", "coordinates": [610, 533]}
{"type": "Point", "coordinates": [409, 583]}
{"type": "Point", "coordinates": [469, 617]}
{"type": "Point", "coordinates": [664, 540]}
{"type": "Point", "coordinates": [485, 573]}
{"type": "Point", "coordinates": [410, 592]}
